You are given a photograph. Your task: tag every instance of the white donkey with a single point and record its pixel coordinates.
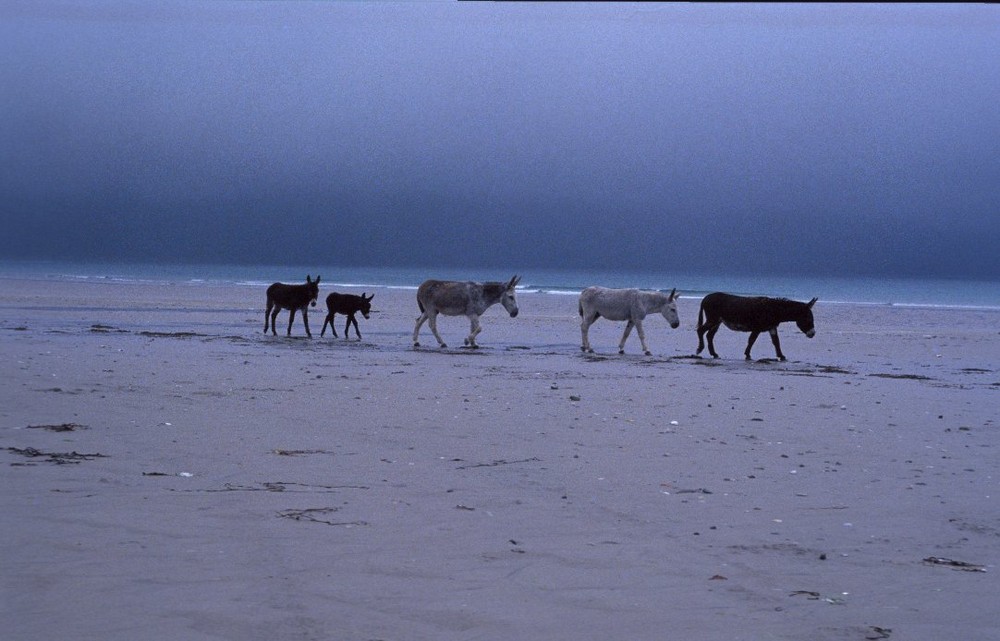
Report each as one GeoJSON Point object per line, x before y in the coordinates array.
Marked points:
{"type": "Point", "coordinates": [454, 298]}
{"type": "Point", "coordinates": [630, 305]}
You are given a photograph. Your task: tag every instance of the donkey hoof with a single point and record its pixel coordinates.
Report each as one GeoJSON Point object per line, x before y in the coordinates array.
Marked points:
{"type": "Point", "coordinates": [443, 345]}
{"type": "Point", "coordinates": [416, 344]}
{"type": "Point", "coordinates": [621, 351]}
{"type": "Point", "coordinates": [649, 353]}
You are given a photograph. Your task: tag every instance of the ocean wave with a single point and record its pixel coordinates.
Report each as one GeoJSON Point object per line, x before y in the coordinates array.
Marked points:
{"type": "Point", "coordinates": [903, 293]}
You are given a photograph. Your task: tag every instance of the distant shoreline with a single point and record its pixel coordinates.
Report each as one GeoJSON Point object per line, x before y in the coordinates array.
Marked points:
{"type": "Point", "coordinates": [932, 293]}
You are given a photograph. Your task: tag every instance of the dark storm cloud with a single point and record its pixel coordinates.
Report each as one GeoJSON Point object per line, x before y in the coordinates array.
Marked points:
{"type": "Point", "coordinates": [820, 139]}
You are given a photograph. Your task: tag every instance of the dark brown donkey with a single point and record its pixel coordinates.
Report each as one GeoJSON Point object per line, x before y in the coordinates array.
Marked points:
{"type": "Point", "coordinates": [349, 305]}
{"type": "Point", "coordinates": [751, 314]}
{"type": "Point", "coordinates": [291, 297]}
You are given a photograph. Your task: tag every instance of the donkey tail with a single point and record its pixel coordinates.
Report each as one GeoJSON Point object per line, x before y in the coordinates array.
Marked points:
{"type": "Point", "coordinates": [580, 306]}
{"type": "Point", "coordinates": [701, 315]}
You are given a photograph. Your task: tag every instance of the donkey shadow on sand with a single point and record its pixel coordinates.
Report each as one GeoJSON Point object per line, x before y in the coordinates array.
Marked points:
{"type": "Point", "coordinates": [348, 305]}
{"type": "Point", "coordinates": [293, 298]}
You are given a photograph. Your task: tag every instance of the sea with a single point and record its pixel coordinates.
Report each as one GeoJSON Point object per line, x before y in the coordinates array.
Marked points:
{"type": "Point", "coordinates": [868, 290]}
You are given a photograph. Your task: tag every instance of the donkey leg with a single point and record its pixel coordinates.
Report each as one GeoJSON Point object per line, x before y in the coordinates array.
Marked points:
{"type": "Point", "coordinates": [274, 320]}
{"type": "Point", "coordinates": [585, 331]}
{"type": "Point", "coordinates": [479, 329]}
{"type": "Point", "coordinates": [777, 344]}
{"type": "Point", "coordinates": [328, 321]}
{"type": "Point", "coordinates": [474, 329]}
{"type": "Point", "coordinates": [642, 338]}
{"type": "Point", "coordinates": [267, 314]}
{"type": "Point", "coordinates": [432, 321]}
{"type": "Point", "coordinates": [305, 320]}
{"type": "Point", "coordinates": [291, 317]}
{"type": "Point", "coordinates": [753, 337]}
{"type": "Point", "coordinates": [628, 330]}
{"type": "Point", "coordinates": [704, 327]}
{"type": "Point", "coordinates": [711, 340]}
{"type": "Point", "coordinates": [416, 330]}
{"type": "Point", "coordinates": [351, 320]}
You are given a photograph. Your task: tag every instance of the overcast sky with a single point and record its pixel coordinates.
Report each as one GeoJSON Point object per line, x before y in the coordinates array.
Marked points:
{"type": "Point", "coordinates": [802, 139]}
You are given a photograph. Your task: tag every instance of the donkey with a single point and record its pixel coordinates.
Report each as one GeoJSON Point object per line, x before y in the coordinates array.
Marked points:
{"type": "Point", "coordinates": [454, 298]}
{"type": "Point", "coordinates": [630, 305]}
{"type": "Point", "coordinates": [751, 314]}
{"type": "Point", "coordinates": [291, 297]}
{"type": "Point", "coordinates": [348, 305]}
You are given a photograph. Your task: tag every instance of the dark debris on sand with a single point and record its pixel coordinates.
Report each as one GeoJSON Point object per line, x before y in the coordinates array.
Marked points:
{"type": "Point", "coordinates": [59, 458]}
{"type": "Point", "coordinates": [62, 427]}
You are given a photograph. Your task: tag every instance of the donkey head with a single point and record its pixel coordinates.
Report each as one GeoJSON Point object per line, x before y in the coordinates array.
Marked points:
{"type": "Point", "coordinates": [805, 320]}
{"type": "Point", "coordinates": [365, 306]}
{"type": "Point", "coordinates": [507, 300]}
{"type": "Point", "coordinates": [669, 310]}
{"type": "Point", "coordinates": [312, 287]}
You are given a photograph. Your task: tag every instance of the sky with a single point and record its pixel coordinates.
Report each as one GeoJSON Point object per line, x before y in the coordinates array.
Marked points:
{"type": "Point", "coordinates": [842, 140]}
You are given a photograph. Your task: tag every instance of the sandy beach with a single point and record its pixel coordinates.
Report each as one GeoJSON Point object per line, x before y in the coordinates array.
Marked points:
{"type": "Point", "coordinates": [170, 472]}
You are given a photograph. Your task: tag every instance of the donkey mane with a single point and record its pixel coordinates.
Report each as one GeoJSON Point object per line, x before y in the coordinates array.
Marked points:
{"type": "Point", "coordinates": [492, 291]}
{"type": "Point", "coordinates": [790, 306]}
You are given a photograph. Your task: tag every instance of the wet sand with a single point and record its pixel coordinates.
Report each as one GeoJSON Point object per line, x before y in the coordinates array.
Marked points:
{"type": "Point", "coordinates": [171, 472]}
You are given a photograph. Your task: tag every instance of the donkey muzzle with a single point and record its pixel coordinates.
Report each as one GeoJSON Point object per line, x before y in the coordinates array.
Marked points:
{"type": "Point", "coordinates": [513, 314]}
{"type": "Point", "coordinates": [811, 333]}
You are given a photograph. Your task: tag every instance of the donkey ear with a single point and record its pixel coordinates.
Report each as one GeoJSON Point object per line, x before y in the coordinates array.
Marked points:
{"type": "Point", "coordinates": [812, 302]}
{"type": "Point", "coordinates": [308, 278]}
{"type": "Point", "coordinates": [369, 298]}
{"type": "Point", "coordinates": [673, 294]}
{"type": "Point", "coordinates": [513, 282]}
{"type": "Point", "coordinates": [317, 278]}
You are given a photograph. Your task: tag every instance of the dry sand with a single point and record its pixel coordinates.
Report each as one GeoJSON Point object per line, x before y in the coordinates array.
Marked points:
{"type": "Point", "coordinates": [170, 472]}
